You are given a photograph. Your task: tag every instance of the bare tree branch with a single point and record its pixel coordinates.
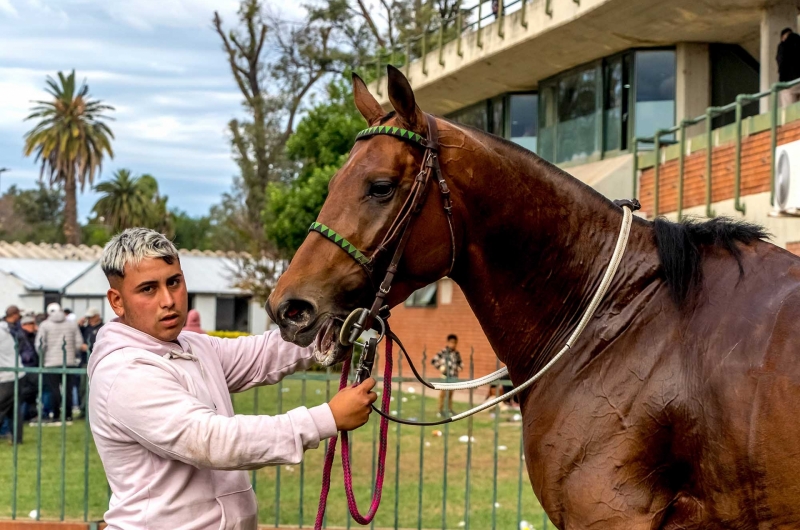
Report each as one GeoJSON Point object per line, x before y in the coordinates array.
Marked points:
{"type": "Point", "coordinates": [371, 23]}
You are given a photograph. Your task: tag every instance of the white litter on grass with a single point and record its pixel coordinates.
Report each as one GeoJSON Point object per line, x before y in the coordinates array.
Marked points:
{"type": "Point", "coordinates": [464, 439]}
{"type": "Point", "coordinates": [394, 412]}
{"type": "Point", "coordinates": [502, 448]}
{"type": "Point", "coordinates": [516, 417]}
{"type": "Point", "coordinates": [33, 514]}
{"type": "Point", "coordinates": [411, 389]}
{"type": "Point", "coordinates": [404, 400]}
{"type": "Point", "coordinates": [462, 523]}
{"type": "Point", "coordinates": [412, 418]}
{"type": "Point", "coordinates": [491, 415]}
{"type": "Point", "coordinates": [319, 391]}
{"type": "Point", "coordinates": [391, 398]}
{"type": "Point", "coordinates": [437, 433]}
{"type": "Point", "coordinates": [497, 505]}
{"type": "Point", "coordinates": [427, 444]}
{"type": "Point", "coordinates": [525, 525]}
{"type": "Point", "coordinates": [284, 390]}
{"type": "Point", "coordinates": [290, 469]}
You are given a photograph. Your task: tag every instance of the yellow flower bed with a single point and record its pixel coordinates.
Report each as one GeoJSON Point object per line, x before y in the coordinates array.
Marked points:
{"type": "Point", "coordinates": [228, 334]}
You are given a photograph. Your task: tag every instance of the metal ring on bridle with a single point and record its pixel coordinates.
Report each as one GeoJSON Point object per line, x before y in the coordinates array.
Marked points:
{"type": "Point", "coordinates": [353, 326]}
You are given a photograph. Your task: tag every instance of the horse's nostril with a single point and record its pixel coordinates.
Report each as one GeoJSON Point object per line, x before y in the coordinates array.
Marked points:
{"type": "Point", "coordinates": [295, 312]}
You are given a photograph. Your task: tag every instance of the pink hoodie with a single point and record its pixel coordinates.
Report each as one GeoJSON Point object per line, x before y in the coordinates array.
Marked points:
{"type": "Point", "coordinates": [163, 422]}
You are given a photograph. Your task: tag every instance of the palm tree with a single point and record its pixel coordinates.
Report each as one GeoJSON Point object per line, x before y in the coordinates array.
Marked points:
{"type": "Point", "coordinates": [70, 141]}
{"type": "Point", "coordinates": [126, 202]}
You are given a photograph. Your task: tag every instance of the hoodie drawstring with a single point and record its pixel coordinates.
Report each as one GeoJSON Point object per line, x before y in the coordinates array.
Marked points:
{"type": "Point", "coordinates": [188, 356]}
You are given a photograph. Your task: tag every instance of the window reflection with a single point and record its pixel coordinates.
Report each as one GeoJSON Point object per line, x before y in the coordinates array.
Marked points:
{"type": "Point", "coordinates": [523, 114]}
{"type": "Point", "coordinates": [474, 116]}
{"type": "Point", "coordinates": [655, 91]}
{"type": "Point", "coordinates": [425, 297]}
{"type": "Point", "coordinates": [577, 115]}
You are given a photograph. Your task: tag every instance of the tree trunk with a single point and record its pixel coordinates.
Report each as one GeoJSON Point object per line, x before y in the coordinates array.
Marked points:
{"type": "Point", "coordinates": [72, 232]}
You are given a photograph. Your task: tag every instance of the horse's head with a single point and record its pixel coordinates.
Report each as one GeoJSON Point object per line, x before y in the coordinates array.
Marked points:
{"type": "Point", "coordinates": [324, 283]}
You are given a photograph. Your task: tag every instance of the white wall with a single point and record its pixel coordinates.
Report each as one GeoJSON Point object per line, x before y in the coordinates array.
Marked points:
{"type": "Point", "coordinates": [206, 305]}
{"type": "Point", "coordinates": [80, 304]}
{"type": "Point", "coordinates": [259, 321]}
{"type": "Point", "coordinates": [12, 292]}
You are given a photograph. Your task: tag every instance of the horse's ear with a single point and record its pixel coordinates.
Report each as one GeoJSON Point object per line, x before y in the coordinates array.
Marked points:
{"type": "Point", "coordinates": [366, 104]}
{"type": "Point", "coordinates": [402, 98]}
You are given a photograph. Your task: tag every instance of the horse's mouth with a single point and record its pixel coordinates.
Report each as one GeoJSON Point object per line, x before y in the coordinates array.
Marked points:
{"type": "Point", "coordinates": [327, 348]}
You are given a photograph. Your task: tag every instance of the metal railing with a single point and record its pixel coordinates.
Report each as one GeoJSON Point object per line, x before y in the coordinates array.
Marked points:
{"type": "Point", "coordinates": [440, 481]}
{"type": "Point", "coordinates": [472, 19]}
{"type": "Point", "coordinates": [737, 107]}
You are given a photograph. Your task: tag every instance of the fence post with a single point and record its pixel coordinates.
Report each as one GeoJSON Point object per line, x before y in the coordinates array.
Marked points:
{"type": "Point", "coordinates": [459, 29]}
{"type": "Point", "coordinates": [709, 159]}
{"type": "Point", "coordinates": [499, 388]}
{"type": "Point", "coordinates": [15, 431]}
{"type": "Point", "coordinates": [469, 437]}
{"type": "Point", "coordinates": [479, 36]}
{"type": "Point", "coordinates": [501, 17]}
{"type": "Point", "coordinates": [441, 43]}
{"type": "Point", "coordinates": [378, 75]}
{"type": "Point", "coordinates": [523, 21]}
{"type": "Point", "coordinates": [737, 176]}
{"type": "Point", "coordinates": [399, 399]}
{"type": "Point", "coordinates": [40, 409]}
{"type": "Point", "coordinates": [424, 53]}
{"type": "Point", "coordinates": [635, 168]}
{"type": "Point", "coordinates": [374, 441]}
{"type": "Point", "coordinates": [657, 153]}
{"type": "Point", "coordinates": [421, 442]}
{"type": "Point", "coordinates": [773, 139]}
{"type": "Point", "coordinates": [253, 477]}
{"type": "Point", "coordinates": [64, 404]}
{"type": "Point", "coordinates": [681, 165]}
{"type": "Point", "coordinates": [408, 58]}
{"type": "Point", "coordinates": [278, 468]}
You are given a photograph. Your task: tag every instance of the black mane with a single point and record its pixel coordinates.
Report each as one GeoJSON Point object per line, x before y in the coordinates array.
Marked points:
{"type": "Point", "coordinates": [680, 254]}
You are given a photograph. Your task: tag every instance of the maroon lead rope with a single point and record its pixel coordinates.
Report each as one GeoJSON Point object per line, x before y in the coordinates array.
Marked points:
{"type": "Point", "coordinates": [348, 477]}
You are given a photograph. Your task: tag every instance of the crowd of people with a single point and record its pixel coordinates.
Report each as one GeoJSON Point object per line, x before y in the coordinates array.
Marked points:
{"type": "Point", "coordinates": [54, 339]}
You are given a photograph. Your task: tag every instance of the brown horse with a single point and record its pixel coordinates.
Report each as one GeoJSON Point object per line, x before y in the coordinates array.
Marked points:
{"type": "Point", "coordinates": [679, 407]}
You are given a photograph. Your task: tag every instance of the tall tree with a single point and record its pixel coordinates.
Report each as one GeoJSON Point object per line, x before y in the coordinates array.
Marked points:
{"type": "Point", "coordinates": [70, 140]}
{"type": "Point", "coordinates": [127, 201]}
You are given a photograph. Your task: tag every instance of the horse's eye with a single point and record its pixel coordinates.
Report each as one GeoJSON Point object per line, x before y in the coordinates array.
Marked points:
{"type": "Point", "coordinates": [381, 190]}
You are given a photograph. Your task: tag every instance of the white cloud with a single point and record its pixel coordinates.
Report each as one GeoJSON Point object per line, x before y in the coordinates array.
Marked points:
{"type": "Point", "coordinates": [8, 9]}
{"type": "Point", "coordinates": [149, 14]}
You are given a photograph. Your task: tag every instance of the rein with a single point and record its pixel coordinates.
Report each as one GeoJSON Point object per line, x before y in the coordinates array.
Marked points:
{"type": "Point", "coordinates": [362, 319]}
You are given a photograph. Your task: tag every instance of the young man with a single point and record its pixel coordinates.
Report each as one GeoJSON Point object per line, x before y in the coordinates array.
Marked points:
{"type": "Point", "coordinates": [448, 362]}
{"type": "Point", "coordinates": [160, 406]}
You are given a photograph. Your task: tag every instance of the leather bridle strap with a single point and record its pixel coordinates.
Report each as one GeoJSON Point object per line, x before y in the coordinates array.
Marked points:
{"type": "Point", "coordinates": [400, 228]}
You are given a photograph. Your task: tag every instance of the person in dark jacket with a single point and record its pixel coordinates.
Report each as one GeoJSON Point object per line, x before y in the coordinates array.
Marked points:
{"type": "Point", "coordinates": [26, 340]}
{"type": "Point", "coordinates": [448, 362]}
{"type": "Point", "coordinates": [789, 65]}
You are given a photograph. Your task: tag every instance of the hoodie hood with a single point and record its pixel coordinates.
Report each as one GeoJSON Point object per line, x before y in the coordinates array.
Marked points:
{"type": "Point", "coordinates": [57, 316]}
{"type": "Point", "coordinates": [115, 336]}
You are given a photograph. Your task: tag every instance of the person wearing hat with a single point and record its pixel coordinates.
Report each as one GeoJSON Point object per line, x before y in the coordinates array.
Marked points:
{"type": "Point", "coordinates": [26, 340]}
{"type": "Point", "coordinates": [60, 341]}
{"type": "Point", "coordinates": [26, 389]}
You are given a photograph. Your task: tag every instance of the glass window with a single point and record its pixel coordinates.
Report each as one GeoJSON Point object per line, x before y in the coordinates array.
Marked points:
{"type": "Point", "coordinates": [498, 110]}
{"type": "Point", "coordinates": [655, 91]}
{"type": "Point", "coordinates": [612, 105]}
{"type": "Point", "coordinates": [474, 116]}
{"type": "Point", "coordinates": [733, 72]}
{"type": "Point", "coordinates": [425, 297]}
{"type": "Point", "coordinates": [547, 122]}
{"type": "Point", "coordinates": [523, 120]}
{"type": "Point", "coordinates": [578, 115]}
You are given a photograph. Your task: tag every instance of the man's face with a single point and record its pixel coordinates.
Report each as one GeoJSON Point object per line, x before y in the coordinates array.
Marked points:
{"type": "Point", "coordinates": [151, 298]}
{"type": "Point", "coordinates": [30, 327]}
{"type": "Point", "coordinates": [785, 36]}
{"type": "Point", "coordinates": [13, 319]}
{"type": "Point", "coordinates": [94, 320]}
{"type": "Point", "coordinates": [452, 344]}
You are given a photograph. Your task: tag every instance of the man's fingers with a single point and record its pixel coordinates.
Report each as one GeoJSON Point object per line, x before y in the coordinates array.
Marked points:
{"type": "Point", "coordinates": [372, 396]}
{"type": "Point", "coordinates": [368, 384]}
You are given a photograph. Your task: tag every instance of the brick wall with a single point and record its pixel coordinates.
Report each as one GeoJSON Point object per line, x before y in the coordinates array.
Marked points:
{"type": "Point", "coordinates": [756, 170]}
{"type": "Point", "coordinates": [427, 327]}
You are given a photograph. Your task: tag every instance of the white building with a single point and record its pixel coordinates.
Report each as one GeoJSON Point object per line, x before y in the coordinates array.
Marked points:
{"type": "Point", "coordinates": [32, 276]}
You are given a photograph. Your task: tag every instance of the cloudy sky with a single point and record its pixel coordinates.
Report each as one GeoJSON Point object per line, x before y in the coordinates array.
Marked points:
{"type": "Point", "coordinates": [158, 62]}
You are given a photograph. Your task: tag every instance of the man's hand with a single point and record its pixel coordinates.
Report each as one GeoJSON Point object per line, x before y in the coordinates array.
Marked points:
{"type": "Point", "coordinates": [351, 406]}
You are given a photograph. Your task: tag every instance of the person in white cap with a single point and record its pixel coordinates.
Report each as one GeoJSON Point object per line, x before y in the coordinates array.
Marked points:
{"type": "Point", "coordinates": [60, 340]}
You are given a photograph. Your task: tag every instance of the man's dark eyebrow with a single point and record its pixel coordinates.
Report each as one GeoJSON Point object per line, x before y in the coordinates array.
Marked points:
{"type": "Point", "coordinates": [146, 284]}
{"type": "Point", "coordinates": [176, 275]}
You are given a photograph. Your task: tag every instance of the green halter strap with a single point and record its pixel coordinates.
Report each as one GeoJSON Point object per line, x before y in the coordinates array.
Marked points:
{"type": "Point", "coordinates": [329, 233]}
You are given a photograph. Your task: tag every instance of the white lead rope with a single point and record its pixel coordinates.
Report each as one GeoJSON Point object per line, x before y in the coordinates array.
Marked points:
{"type": "Point", "coordinates": [616, 259]}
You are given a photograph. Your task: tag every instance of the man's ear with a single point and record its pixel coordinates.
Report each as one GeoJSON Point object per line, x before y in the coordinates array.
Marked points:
{"type": "Point", "coordinates": [115, 301]}
{"type": "Point", "coordinates": [366, 103]}
{"type": "Point", "coordinates": [405, 104]}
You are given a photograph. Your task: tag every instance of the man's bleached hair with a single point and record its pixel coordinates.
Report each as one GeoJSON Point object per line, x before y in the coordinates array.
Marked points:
{"type": "Point", "coordinates": [132, 246]}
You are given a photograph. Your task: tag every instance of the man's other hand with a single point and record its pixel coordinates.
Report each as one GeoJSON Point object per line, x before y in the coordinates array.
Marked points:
{"type": "Point", "coordinates": [351, 406]}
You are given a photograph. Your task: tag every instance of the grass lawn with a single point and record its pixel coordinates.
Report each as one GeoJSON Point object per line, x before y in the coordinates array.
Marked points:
{"type": "Point", "coordinates": [289, 494]}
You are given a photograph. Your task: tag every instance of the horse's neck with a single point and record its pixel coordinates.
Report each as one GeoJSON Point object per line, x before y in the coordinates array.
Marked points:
{"type": "Point", "coordinates": [536, 245]}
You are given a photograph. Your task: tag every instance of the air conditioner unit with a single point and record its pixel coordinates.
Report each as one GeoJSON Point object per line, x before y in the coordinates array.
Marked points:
{"type": "Point", "coordinates": [787, 178]}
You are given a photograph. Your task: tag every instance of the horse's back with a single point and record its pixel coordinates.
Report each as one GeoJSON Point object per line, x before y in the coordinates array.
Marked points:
{"type": "Point", "coordinates": [744, 367]}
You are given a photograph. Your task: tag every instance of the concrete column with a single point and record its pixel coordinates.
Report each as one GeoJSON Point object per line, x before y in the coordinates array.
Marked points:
{"type": "Point", "coordinates": [259, 321]}
{"type": "Point", "coordinates": [774, 18]}
{"type": "Point", "coordinates": [693, 83]}
{"type": "Point", "coordinates": [206, 305]}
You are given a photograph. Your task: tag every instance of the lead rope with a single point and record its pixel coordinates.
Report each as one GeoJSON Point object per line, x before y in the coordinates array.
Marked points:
{"type": "Point", "coordinates": [348, 477]}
